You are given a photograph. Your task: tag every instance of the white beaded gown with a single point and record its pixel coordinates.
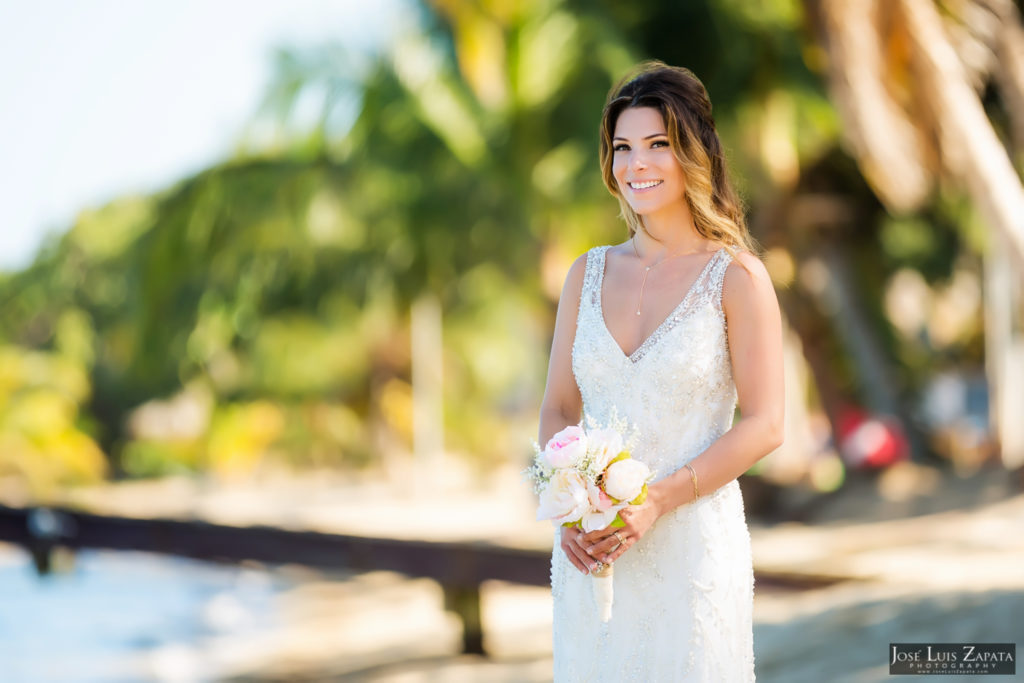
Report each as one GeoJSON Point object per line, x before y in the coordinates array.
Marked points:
{"type": "Point", "coordinates": [684, 593]}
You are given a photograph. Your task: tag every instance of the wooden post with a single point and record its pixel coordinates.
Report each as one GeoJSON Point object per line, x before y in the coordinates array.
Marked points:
{"type": "Point", "coordinates": [45, 528]}
{"type": "Point", "coordinates": [465, 602]}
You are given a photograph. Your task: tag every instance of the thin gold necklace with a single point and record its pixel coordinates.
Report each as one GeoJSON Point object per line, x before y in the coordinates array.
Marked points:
{"type": "Point", "coordinates": [647, 270]}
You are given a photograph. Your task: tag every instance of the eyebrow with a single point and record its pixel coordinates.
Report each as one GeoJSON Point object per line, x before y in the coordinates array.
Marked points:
{"type": "Point", "coordinates": [656, 135]}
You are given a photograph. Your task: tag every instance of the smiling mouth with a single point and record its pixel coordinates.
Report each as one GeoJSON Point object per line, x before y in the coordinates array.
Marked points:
{"type": "Point", "coordinates": [644, 185]}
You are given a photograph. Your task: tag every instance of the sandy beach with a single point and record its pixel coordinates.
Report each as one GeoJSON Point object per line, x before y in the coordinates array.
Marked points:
{"type": "Point", "coordinates": [835, 592]}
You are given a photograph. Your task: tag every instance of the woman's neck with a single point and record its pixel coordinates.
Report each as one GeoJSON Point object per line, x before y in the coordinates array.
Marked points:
{"type": "Point", "coordinates": [669, 231]}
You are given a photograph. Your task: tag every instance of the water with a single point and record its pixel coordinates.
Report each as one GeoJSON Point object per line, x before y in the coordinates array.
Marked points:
{"type": "Point", "coordinates": [128, 616]}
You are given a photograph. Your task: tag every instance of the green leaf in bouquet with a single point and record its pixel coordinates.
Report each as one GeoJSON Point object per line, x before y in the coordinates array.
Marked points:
{"type": "Point", "coordinates": [641, 497]}
{"type": "Point", "coordinates": [624, 455]}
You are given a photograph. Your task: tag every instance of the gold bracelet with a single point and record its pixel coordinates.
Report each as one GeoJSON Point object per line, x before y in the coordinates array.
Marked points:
{"type": "Point", "coordinates": [693, 477]}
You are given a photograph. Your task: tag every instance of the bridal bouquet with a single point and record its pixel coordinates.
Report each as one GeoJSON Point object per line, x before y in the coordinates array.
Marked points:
{"type": "Point", "coordinates": [584, 477]}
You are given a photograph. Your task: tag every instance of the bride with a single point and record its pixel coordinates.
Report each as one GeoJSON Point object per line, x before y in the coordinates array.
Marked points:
{"type": "Point", "coordinates": [670, 330]}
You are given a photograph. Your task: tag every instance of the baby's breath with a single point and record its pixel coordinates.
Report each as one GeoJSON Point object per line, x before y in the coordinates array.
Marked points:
{"type": "Point", "coordinates": [617, 423]}
{"type": "Point", "coordinates": [539, 472]}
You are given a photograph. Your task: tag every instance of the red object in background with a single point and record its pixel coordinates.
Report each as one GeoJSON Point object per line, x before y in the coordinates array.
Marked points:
{"type": "Point", "coordinates": [871, 441]}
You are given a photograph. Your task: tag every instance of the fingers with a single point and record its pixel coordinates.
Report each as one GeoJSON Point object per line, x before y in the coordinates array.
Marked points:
{"type": "Point", "coordinates": [601, 546]}
{"type": "Point", "coordinates": [573, 549]}
{"type": "Point", "coordinates": [604, 545]}
{"type": "Point", "coordinates": [608, 544]}
{"type": "Point", "coordinates": [620, 543]}
{"type": "Point", "coordinates": [601, 534]}
{"type": "Point", "coordinates": [598, 543]}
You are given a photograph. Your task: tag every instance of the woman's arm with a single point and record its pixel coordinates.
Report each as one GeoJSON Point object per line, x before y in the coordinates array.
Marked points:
{"type": "Point", "coordinates": [562, 403]}
{"type": "Point", "coordinates": [755, 347]}
{"type": "Point", "coordinates": [754, 327]}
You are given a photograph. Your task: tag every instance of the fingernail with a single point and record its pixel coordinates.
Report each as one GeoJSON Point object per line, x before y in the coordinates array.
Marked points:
{"type": "Point", "coordinates": [590, 551]}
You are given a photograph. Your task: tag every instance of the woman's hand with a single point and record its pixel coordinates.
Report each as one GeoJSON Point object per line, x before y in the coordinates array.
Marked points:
{"type": "Point", "coordinates": [608, 544]}
{"type": "Point", "coordinates": [572, 545]}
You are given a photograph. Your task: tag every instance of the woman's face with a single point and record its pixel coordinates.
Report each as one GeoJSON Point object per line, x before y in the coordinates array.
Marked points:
{"type": "Point", "coordinates": [648, 175]}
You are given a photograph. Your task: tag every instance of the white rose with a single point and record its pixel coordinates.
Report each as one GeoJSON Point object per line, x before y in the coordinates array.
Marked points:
{"type": "Point", "coordinates": [603, 445]}
{"type": "Point", "coordinates": [564, 499]}
{"type": "Point", "coordinates": [626, 478]}
{"type": "Point", "coordinates": [599, 519]}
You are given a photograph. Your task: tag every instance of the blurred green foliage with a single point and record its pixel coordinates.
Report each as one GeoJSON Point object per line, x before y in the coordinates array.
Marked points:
{"type": "Point", "coordinates": [259, 309]}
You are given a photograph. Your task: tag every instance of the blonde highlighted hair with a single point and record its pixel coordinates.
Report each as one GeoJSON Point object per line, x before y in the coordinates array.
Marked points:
{"type": "Point", "coordinates": [686, 111]}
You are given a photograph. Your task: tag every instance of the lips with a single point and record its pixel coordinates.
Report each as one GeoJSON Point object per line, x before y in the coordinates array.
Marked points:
{"type": "Point", "coordinates": [641, 185]}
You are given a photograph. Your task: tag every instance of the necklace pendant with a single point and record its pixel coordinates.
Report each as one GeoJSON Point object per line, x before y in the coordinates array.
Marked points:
{"type": "Point", "coordinates": [638, 311]}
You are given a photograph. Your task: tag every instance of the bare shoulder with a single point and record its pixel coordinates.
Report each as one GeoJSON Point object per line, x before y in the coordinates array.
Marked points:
{"type": "Point", "coordinates": [578, 266]}
{"type": "Point", "coordinates": [746, 282]}
{"type": "Point", "coordinates": [574, 279]}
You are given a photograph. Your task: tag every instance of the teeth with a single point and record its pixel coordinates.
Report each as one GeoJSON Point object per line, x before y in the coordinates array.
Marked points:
{"type": "Point", "coordinates": [644, 185]}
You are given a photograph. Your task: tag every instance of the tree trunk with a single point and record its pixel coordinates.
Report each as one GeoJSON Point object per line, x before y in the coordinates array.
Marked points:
{"type": "Point", "coordinates": [1004, 353]}
{"type": "Point", "coordinates": [970, 149]}
{"type": "Point", "coordinates": [427, 396]}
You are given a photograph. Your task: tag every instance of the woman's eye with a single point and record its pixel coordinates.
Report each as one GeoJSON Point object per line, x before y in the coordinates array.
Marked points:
{"type": "Point", "coordinates": [620, 148]}
{"type": "Point", "coordinates": [659, 143]}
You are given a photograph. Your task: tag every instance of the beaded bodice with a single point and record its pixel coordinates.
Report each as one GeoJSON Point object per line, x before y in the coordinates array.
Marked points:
{"type": "Point", "coordinates": [677, 387]}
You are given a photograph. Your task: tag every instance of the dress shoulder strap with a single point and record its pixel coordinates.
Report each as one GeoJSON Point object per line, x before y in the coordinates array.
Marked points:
{"type": "Point", "coordinates": [592, 276]}
{"type": "Point", "coordinates": [594, 272]}
{"type": "Point", "coordinates": [716, 277]}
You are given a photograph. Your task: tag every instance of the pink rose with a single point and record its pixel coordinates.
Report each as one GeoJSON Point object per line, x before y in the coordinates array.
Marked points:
{"type": "Point", "coordinates": [603, 509]}
{"type": "Point", "coordinates": [566, 448]}
{"type": "Point", "coordinates": [599, 500]}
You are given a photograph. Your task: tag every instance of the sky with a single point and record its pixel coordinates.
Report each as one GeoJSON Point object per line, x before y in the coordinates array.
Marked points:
{"type": "Point", "coordinates": [110, 97]}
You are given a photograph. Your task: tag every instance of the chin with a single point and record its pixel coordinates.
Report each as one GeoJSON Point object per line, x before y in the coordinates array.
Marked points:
{"type": "Point", "coordinates": [646, 209]}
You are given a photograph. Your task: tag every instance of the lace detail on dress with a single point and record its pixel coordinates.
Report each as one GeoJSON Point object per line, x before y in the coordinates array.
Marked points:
{"type": "Point", "coordinates": [703, 288]}
{"type": "Point", "coordinates": [681, 371]}
{"type": "Point", "coordinates": [684, 592]}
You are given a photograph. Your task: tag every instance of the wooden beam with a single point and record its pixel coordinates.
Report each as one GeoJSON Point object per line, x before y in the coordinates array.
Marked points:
{"type": "Point", "coordinates": [457, 564]}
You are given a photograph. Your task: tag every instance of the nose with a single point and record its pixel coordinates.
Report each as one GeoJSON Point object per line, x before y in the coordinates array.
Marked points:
{"type": "Point", "coordinates": [638, 160]}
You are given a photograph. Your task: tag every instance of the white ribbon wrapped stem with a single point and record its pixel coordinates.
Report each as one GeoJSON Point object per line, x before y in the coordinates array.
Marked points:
{"type": "Point", "coordinates": [603, 593]}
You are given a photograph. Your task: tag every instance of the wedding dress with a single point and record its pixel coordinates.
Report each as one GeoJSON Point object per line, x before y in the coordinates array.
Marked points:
{"type": "Point", "coordinates": [684, 592]}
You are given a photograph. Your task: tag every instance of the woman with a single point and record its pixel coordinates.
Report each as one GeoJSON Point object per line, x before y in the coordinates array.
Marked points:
{"type": "Point", "coordinates": [669, 330]}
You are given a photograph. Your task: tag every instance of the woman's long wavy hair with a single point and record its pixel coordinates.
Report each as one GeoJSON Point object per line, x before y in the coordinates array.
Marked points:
{"type": "Point", "coordinates": [686, 111]}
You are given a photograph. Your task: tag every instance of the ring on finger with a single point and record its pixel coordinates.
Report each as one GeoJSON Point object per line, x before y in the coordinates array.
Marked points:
{"type": "Point", "coordinates": [619, 538]}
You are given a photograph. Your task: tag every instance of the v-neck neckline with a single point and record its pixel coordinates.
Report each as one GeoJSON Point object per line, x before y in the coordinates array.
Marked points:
{"type": "Point", "coordinates": [637, 354]}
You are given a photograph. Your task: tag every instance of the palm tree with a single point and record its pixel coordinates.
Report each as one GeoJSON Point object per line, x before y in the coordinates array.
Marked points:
{"type": "Point", "coordinates": [909, 81]}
